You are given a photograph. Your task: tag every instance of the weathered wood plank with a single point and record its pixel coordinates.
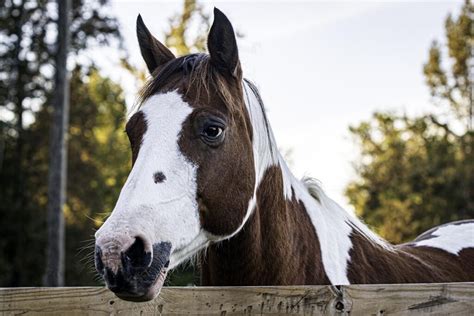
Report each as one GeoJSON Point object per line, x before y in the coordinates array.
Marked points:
{"type": "Point", "coordinates": [410, 299]}
{"type": "Point", "coordinates": [299, 300]}
{"type": "Point", "coordinates": [396, 299]}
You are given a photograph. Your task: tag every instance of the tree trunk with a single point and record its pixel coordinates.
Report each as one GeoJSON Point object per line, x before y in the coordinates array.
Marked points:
{"type": "Point", "coordinates": [19, 97]}
{"type": "Point", "coordinates": [58, 155]}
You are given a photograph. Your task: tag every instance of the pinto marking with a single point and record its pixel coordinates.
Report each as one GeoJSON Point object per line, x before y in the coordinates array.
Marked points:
{"type": "Point", "coordinates": [333, 225]}
{"type": "Point", "coordinates": [174, 200]}
{"type": "Point", "coordinates": [207, 174]}
{"type": "Point", "coordinates": [450, 237]}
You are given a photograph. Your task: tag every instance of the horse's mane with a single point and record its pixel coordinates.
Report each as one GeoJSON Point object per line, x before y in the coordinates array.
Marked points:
{"type": "Point", "coordinates": [258, 97]}
{"type": "Point", "coordinates": [315, 190]}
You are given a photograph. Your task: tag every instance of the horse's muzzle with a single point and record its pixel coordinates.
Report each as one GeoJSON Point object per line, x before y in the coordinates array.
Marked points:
{"type": "Point", "coordinates": [136, 274]}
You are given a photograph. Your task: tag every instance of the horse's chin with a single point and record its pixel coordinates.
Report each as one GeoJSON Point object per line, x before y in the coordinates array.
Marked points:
{"type": "Point", "coordinates": [152, 292]}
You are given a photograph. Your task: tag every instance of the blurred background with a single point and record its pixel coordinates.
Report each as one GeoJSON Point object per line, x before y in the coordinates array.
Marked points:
{"type": "Point", "coordinates": [374, 99]}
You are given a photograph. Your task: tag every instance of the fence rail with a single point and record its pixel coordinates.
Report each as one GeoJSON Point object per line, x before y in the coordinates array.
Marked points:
{"type": "Point", "coordinates": [379, 299]}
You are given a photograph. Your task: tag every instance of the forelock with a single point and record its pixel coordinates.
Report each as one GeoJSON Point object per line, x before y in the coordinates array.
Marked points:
{"type": "Point", "coordinates": [192, 75]}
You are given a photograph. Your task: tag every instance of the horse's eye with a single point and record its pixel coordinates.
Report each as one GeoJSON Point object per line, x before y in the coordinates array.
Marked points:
{"type": "Point", "coordinates": [211, 129]}
{"type": "Point", "coordinates": [212, 132]}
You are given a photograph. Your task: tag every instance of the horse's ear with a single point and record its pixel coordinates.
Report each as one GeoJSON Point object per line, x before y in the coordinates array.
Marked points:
{"type": "Point", "coordinates": [222, 44]}
{"type": "Point", "coordinates": [154, 53]}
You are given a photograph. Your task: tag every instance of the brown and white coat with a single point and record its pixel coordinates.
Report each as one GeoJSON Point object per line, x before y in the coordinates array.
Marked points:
{"type": "Point", "coordinates": [207, 174]}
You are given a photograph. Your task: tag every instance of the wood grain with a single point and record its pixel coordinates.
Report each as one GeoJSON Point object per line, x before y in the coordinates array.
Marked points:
{"type": "Point", "coordinates": [411, 299]}
{"type": "Point", "coordinates": [395, 299]}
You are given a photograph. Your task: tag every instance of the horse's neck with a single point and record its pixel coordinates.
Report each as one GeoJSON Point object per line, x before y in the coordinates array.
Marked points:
{"type": "Point", "coordinates": [295, 234]}
{"type": "Point", "coordinates": [276, 246]}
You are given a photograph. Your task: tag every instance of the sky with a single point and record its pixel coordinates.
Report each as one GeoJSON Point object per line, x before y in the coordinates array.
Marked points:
{"type": "Point", "coordinates": [320, 67]}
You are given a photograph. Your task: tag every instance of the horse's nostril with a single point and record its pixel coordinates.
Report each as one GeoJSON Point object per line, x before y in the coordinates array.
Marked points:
{"type": "Point", "coordinates": [136, 256]}
{"type": "Point", "coordinates": [110, 277]}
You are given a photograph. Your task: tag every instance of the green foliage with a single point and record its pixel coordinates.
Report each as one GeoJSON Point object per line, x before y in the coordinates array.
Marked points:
{"type": "Point", "coordinates": [27, 50]}
{"type": "Point", "coordinates": [22, 233]}
{"type": "Point", "coordinates": [27, 58]}
{"type": "Point", "coordinates": [454, 88]}
{"type": "Point", "coordinates": [178, 39]}
{"type": "Point", "coordinates": [98, 164]}
{"type": "Point", "coordinates": [412, 176]}
{"type": "Point", "coordinates": [416, 173]}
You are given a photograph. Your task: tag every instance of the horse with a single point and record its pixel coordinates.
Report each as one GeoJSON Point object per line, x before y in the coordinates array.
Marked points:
{"type": "Point", "coordinates": [208, 182]}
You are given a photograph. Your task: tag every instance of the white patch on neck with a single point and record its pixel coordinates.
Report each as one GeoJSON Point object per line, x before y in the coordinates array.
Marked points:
{"type": "Point", "coordinates": [451, 238]}
{"type": "Point", "coordinates": [167, 211]}
{"type": "Point", "coordinates": [333, 225]}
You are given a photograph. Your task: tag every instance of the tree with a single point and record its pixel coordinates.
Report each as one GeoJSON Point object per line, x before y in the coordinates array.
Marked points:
{"type": "Point", "coordinates": [27, 51]}
{"type": "Point", "coordinates": [57, 176]}
{"type": "Point", "coordinates": [410, 173]}
{"type": "Point", "coordinates": [98, 164]}
{"type": "Point", "coordinates": [416, 173]}
{"type": "Point", "coordinates": [177, 38]}
{"type": "Point", "coordinates": [454, 89]}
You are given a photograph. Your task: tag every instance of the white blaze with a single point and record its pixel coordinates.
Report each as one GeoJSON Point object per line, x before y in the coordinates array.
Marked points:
{"type": "Point", "coordinates": [166, 211]}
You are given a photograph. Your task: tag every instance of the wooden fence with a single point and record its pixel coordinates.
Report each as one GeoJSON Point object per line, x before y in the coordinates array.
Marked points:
{"type": "Point", "coordinates": [395, 299]}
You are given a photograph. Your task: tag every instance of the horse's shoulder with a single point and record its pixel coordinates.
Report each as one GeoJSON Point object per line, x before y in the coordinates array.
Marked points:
{"type": "Point", "coordinates": [451, 237]}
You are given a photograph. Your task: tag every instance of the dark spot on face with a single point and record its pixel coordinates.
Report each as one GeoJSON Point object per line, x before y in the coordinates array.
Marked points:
{"type": "Point", "coordinates": [159, 177]}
